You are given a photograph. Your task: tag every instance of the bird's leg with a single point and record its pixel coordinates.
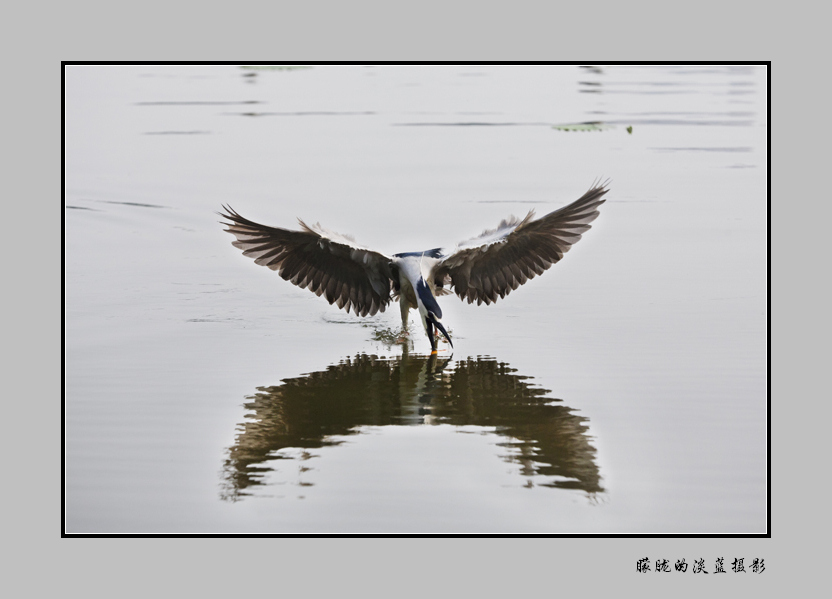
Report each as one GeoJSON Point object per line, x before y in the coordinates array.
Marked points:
{"type": "Point", "coordinates": [405, 309]}
{"type": "Point", "coordinates": [403, 336]}
{"type": "Point", "coordinates": [431, 337]}
{"type": "Point", "coordinates": [433, 327]}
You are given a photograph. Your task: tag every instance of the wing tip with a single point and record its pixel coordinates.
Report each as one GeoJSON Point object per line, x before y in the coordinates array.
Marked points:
{"type": "Point", "coordinates": [601, 184]}
{"type": "Point", "coordinates": [230, 215]}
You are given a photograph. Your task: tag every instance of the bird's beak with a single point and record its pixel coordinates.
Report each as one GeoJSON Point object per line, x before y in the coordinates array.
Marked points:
{"type": "Point", "coordinates": [439, 326]}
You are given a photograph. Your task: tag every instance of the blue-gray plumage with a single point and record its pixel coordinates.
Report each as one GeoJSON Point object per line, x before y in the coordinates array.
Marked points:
{"type": "Point", "coordinates": [484, 268]}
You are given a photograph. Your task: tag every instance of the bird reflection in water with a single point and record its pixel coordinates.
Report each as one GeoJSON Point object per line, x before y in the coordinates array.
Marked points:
{"type": "Point", "coordinates": [544, 437]}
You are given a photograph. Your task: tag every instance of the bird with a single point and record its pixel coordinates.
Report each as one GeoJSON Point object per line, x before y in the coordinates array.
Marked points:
{"type": "Point", "coordinates": [483, 269]}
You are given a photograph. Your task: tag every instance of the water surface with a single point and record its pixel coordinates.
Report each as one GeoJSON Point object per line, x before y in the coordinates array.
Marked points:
{"type": "Point", "coordinates": [625, 390]}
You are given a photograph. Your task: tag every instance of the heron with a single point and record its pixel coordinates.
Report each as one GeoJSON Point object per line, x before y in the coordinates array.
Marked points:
{"type": "Point", "coordinates": [482, 269]}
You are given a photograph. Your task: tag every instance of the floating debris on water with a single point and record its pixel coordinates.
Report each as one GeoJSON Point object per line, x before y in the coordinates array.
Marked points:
{"type": "Point", "coordinates": [276, 67]}
{"type": "Point", "coordinates": [587, 126]}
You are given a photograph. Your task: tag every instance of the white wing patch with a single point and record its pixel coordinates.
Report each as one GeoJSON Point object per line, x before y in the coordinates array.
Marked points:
{"type": "Point", "coordinates": [317, 229]}
{"type": "Point", "coordinates": [492, 236]}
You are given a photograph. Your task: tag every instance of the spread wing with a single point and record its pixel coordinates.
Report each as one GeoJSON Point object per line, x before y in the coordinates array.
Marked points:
{"type": "Point", "coordinates": [492, 265]}
{"type": "Point", "coordinates": [326, 263]}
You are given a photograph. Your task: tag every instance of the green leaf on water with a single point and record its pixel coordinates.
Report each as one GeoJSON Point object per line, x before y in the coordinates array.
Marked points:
{"type": "Point", "coordinates": [587, 126]}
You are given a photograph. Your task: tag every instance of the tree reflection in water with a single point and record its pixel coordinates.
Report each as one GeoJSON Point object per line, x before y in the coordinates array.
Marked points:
{"type": "Point", "coordinates": [546, 438]}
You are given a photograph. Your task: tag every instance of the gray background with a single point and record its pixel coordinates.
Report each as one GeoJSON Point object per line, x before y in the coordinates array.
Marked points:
{"type": "Point", "coordinates": [43, 561]}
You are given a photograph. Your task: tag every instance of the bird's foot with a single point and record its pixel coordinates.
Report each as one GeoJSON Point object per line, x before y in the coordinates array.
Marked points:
{"type": "Point", "coordinates": [441, 339]}
{"type": "Point", "coordinates": [404, 336]}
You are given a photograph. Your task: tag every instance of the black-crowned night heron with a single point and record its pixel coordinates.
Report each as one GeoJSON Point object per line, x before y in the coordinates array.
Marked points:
{"type": "Point", "coordinates": [481, 269]}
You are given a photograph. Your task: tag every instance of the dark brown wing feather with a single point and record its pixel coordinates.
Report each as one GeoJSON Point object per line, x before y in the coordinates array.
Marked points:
{"type": "Point", "coordinates": [529, 247]}
{"type": "Point", "coordinates": [345, 274]}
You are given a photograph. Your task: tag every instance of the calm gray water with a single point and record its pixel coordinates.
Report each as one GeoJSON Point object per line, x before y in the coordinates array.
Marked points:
{"type": "Point", "coordinates": [624, 391]}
